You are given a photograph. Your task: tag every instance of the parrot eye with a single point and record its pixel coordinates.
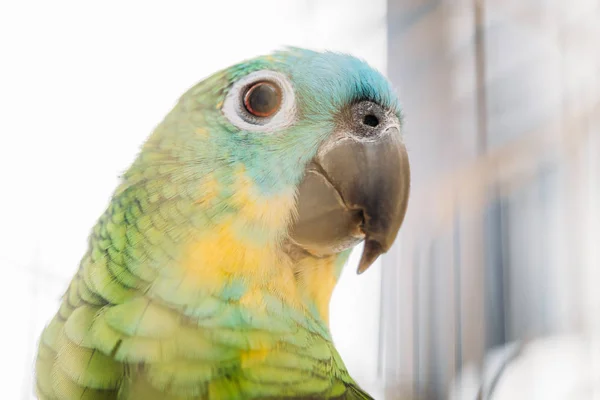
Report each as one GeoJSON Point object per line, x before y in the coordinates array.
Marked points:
{"type": "Point", "coordinates": [262, 101]}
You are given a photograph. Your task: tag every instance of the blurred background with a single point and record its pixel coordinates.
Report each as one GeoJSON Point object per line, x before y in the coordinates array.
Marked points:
{"type": "Point", "coordinates": [491, 289]}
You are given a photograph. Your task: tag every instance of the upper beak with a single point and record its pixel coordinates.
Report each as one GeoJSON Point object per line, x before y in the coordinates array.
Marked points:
{"type": "Point", "coordinates": [355, 188]}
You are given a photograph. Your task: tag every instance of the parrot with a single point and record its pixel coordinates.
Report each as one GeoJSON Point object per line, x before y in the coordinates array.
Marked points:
{"type": "Point", "coordinates": [210, 273]}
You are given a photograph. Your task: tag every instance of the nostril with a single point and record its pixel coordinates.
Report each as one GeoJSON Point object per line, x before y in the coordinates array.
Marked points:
{"type": "Point", "coordinates": [370, 120]}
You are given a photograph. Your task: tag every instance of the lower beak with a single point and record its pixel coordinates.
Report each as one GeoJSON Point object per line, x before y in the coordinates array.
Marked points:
{"type": "Point", "coordinates": [355, 189]}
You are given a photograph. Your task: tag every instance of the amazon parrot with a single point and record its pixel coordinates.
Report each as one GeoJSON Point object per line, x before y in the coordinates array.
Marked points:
{"type": "Point", "coordinates": [209, 275]}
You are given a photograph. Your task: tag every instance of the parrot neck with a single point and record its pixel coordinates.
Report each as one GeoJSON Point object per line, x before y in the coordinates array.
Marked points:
{"type": "Point", "coordinates": [256, 275]}
{"type": "Point", "coordinates": [316, 278]}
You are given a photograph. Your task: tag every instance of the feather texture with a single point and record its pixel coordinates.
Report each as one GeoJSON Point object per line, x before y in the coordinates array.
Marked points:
{"type": "Point", "coordinates": [185, 291]}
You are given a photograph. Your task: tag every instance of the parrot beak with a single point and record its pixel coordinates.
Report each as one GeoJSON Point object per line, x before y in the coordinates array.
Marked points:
{"type": "Point", "coordinates": [356, 187]}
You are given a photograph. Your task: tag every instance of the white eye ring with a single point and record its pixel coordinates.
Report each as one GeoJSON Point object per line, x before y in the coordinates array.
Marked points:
{"type": "Point", "coordinates": [238, 115]}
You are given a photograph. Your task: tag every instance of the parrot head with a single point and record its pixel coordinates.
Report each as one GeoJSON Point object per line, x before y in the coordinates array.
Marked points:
{"type": "Point", "coordinates": [316, 137]}
{"type": "Point", "coordinates": [292, 158]}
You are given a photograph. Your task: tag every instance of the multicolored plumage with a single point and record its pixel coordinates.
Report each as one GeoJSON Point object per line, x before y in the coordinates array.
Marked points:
{"type": "Point", "coordinates": [210, 273]}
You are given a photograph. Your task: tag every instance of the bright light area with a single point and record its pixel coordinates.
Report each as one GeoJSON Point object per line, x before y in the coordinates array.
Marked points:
{"type": "Point", "coordinates": [81, 87]}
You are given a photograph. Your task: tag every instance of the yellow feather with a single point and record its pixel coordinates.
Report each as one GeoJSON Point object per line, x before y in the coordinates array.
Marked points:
{"type": "Point", "coordinates": [317, 278]}
{"type": "Point", "coordinates": [250, 358]}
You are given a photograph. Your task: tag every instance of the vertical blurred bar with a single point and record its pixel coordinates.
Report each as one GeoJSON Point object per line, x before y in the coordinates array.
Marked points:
{"type": "Point", "coordinates": [496, 276]}
{"type": "Point", "coordinates": [457, 264]}
{"type": "Point", "coordinates": [480, 67]}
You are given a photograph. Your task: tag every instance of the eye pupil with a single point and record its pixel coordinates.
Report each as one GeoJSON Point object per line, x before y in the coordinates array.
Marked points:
{"type": "Point", "coordinates": [371, 120]}
{"type": "Point", "coordinates": [262, 99]}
